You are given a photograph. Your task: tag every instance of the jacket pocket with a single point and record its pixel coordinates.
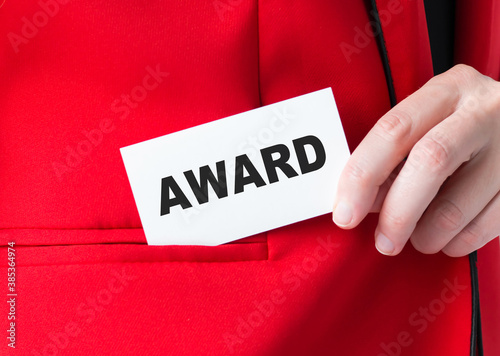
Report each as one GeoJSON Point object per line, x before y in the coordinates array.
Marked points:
{"type": "Point", "coordinates": [37, 247]}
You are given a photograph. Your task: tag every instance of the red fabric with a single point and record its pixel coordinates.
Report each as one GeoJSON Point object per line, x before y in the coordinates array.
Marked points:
{"type": "Point", "coordinates": [406, 45]}
{"type": "Point", "coordinates": [87, 282]}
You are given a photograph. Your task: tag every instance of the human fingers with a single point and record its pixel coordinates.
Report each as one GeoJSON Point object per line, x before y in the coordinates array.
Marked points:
{"type": "Point", "coordinates": [460, 200]}
{"type": "Point", "coordinates": [431, 161]}
{"type": "Point", "coordinates": [386, 145]}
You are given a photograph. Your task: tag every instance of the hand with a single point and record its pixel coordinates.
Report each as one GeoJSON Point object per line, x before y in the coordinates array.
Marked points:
{"type": "Point", "coordinates": [445, 196]}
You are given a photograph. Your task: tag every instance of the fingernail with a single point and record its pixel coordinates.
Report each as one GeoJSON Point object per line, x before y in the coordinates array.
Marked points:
{"type": "Point", "coordinates": [384, 245]}
{"type": "Point", "coordinates": [342, 214]}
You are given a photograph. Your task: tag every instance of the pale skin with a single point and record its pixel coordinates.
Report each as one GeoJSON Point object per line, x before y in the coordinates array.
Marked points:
{"type": "Point", "coordinates": [431, 168]}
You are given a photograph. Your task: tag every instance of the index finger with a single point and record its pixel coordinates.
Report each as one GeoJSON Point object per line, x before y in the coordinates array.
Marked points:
{"type": "Point", "coordinates": [386, 145]}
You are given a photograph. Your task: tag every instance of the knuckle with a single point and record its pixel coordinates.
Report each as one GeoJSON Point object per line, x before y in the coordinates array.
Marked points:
{"type": "Point", "coordinates": [395, 126]}
{"type": "Point", "coordinates": [463, 74]}
{"type": "Point", "coordinates": [432, 152]}
{"type": "Point", "coordinates": [458, 78]}
{"type": "Point", "coordinates": [448, 216]}
{"type": "Point", "coordinates": [447, 89]}
{"type": "Point", "coordinates": [443, 88]}
{"type": "Point", "coordinates": [472, 235]}
{"type": "Point", "coordinates": [357, 174]}
{"type": "Point", "coordinates": [394, 220]}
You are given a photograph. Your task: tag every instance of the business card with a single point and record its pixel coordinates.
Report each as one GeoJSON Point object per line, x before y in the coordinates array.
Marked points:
{"type": "Point", "coordinates": [241, 175]}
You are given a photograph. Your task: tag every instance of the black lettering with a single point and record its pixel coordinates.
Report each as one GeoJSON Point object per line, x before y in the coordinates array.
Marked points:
{"type": "Point", "coordinates": [167, 184]}
{"type": "Point", "coordinates": [305, 165]}
{"type": "Point", "coordinates": [200, 190]}
{"type": "Point", "coordinates": [242, 163]}
{"type": "Point", "coordinates": [281, 162]}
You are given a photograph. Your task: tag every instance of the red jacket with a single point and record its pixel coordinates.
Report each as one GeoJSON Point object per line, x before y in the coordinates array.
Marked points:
{"type": "Point", "coordinates": [80, 79]}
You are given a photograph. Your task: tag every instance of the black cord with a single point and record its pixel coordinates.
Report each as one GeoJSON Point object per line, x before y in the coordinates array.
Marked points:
{"type": "Point", "coordinates": [476, 339]}
{"type": "Point", "coordinates": [383, 53]}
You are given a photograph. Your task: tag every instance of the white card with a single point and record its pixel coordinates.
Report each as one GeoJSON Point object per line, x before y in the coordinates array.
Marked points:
{"type": "Point", "coordinates": [251, 184]}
